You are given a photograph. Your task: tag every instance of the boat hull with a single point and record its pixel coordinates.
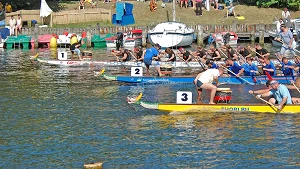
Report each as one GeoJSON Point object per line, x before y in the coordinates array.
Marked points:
{"type": "Point", "coordinates": [170, 34]}
{"type": "Point", "coordinates": [194, 108]}
{"type": "Point", "coordinates": [177, 64]}
{"type": "Point", "coordinates": [225, 80]}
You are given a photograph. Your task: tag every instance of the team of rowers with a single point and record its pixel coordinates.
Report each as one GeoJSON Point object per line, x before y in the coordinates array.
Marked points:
{"type": "Point", "coordinates": [237, 62]}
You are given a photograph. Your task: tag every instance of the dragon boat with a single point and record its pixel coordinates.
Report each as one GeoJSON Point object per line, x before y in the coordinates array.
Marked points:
{"type": "Point", "coordinates": [207, 108]}
{"type": "Point", "coordinates": [90, 62]}
{"type": "Point", "coordinates": [183, 79]}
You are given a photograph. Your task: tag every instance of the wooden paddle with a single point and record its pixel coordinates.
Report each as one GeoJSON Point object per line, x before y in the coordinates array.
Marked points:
{"type": "Point", "coordinates": [296, 87]}
{"type": "Point", "coordinates": [118, 59]}
{"type": "Point", "coordinates": [100, 73]}
{"type": "Point", "coordinates": [268, 103]}
{"type": "Point", "coordinates": [236, 75]}
{"type": "Point", "coordinates": [184, 61]}
{"type": "Point", "coordinates": [133, 55]}
{"type": "Point", "coordinates": [294, 49]}
{"type": "Point", "coordinates": [203, 66]}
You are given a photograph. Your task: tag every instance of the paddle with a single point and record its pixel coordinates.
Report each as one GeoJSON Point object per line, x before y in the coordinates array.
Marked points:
{"type": "Point", "coordinates": [296, 87]}
{"type": "Point", "coordinates": [184, 61]}
{"type": "Point", "coordinates": [236, 75]}
{"type": "Point", "coordinates": [198, 59]}
{"type": "Point", "coordinates": [133, 55]}
{"type": "Point", "coordinates": [118, 59]}
{"type": "Point", "coordinates": [281, 41]}
{"type": "Point", "coordinates": [268, 103]}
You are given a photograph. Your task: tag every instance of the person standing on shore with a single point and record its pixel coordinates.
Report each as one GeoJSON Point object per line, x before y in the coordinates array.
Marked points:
{"type": "Point", "coordinates": [286, 17]}
{"type": "Point", "coordinates": [198, 7]}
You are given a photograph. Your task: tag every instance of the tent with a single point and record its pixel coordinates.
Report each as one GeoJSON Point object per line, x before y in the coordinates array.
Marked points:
{"type": "Point", "coordinates": [45, 11]}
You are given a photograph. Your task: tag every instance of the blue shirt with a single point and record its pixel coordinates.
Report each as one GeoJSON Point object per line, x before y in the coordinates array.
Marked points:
{"type": "Point", "coordinates": [235, 68]}
{"type": "Point", "coordinates": [281, 92]}
{"type": "Point", "coordinates": [287, 71]}
{"type": "Point", "coordinates": [271, 66]}
{"type": "Point", "coordinates": [248, 68]}
{"type": "Point", "coordinates": [150, 53]}
{"type": "Point", "coordinates": [214, 66]}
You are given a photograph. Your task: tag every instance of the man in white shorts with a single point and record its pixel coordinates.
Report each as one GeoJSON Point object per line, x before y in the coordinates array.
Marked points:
{"type": "Point", "coordinates": [205, 79]}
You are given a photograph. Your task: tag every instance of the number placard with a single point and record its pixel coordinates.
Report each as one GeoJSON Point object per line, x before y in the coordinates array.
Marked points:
{"type": "Point", "coordinates": [62, 56]}
{"type": "Point", "coordinates": [136, 71]}
{"type": "Point", "coordinates": [184, 97]}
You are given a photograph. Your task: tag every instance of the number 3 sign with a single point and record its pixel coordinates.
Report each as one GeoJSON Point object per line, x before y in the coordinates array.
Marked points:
{"type": "Point", "coordinates": [136, 71]}
{"type": "Point", "coordinates": [184, 97]}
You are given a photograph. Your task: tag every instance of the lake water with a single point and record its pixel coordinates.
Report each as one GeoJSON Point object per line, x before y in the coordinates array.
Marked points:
{"type": "Point", "coordinates": [55, 117]}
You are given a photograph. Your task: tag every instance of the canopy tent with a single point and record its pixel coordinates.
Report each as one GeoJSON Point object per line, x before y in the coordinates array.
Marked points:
{"type": "Point", "coordinates": [45, 10]}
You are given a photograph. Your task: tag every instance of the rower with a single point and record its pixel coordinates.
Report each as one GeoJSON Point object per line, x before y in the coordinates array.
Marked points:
{"type": "Point", "coordinates": [205, 79]}
{"type": "Point", "coordinates": [244, 52]}
{"type": "Point", "coordinates": [184, 54]}
{"type": "Point", "coordinates": [281, 94]}
{"type": "Point", "coordinates": [287, 67]}
{"type": "Point", "coordinates": [171, 55]}
{"type": "Point", "coordinates": [210, 64]}
{"type": "Point", "coordinates": [234, 67]}
{"type": "Point", "coordinates": [269, 67]}
{"type": "Point", "coordinates": [250, 69]}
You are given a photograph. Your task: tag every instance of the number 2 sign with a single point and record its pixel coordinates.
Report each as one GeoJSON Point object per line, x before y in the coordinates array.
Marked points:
{"type": "Point", "coordinates": [136, 71]}
{"type": "Point", "coordinates": [184, 97]}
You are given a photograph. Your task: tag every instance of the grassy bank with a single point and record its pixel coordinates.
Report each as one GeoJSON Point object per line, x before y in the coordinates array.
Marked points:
{"type": "Point", "coordinates": [144, 17]}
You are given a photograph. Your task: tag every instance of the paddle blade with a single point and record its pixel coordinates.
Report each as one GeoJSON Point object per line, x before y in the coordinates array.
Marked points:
{"type": "Point", "coordinates": [35, 56]}
{"type": "Point", "coordinates": [268, 75]}
{"type": "Point", "coordinates": [254, 79]}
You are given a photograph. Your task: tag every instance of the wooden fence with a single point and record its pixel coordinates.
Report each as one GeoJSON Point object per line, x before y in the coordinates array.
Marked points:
{"type": "Point", "coordinates": [64, 17]}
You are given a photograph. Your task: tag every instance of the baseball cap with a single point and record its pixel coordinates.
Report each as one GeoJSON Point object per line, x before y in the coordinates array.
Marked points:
{"type": "Point", "coordinates": [180, 49]}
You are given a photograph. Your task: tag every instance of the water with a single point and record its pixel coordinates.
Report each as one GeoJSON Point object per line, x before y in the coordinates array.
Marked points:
{"type": "Point", "coordinates": [55, 117]}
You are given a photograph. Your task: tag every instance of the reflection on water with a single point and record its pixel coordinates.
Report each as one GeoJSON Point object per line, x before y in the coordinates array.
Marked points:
{"type": "Point", "coordinates": [55, 117]}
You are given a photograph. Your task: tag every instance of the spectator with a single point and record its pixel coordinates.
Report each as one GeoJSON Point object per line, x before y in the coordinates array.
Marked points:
{"type": "Point", "coordinates": [19, 25]}
{"type": "Point", "coordinates": [185, 3]}
{"type": "Point", "coordinates": [81, 4]}
{"type": "Point", "coordinates": [198, 7]}
{"type": "Point", "coordinates": [153, 5]}
{"type": "Point", "coordinates": [12, 25]}
{"type": "Point", "coordinates": [8, 8]}
{"type": "Point", "coordinates": [216, 4]}
{"type": "Point", "coordinates": [230, 10]}
{"type": "Point", "coordinates": [286, 17]}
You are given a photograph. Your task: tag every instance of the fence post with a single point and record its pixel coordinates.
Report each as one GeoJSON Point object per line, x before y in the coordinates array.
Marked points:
{"type": "Point", "coordinates": [200, 35]}
{"type": "Point", "coordinates": [35, 35]}
{"type": "Point", "coordinates": [88, 37]}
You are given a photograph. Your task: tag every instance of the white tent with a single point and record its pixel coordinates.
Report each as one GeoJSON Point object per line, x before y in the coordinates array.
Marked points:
{"type": "Point", "coordinates": [45, 10]}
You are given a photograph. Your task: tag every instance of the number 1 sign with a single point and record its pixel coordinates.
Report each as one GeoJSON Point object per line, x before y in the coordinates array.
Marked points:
{"type": "Point", "coordinates": [184, 97]}
{"type": "Point", "coordinates": [136, 71]}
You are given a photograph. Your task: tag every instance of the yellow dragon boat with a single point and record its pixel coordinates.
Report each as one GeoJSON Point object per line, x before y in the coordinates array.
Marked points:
{"type": "Point", "coordinates": [195, 108]}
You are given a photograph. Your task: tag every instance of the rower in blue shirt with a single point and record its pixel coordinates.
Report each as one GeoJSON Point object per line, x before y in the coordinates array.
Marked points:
{"type": "Point", "coordinates": [234, 67]}
{"type": "Point", "coordinates": [269, 67]}
{"type": "Point", "coordinates": [287, 67]}
{"type": "Point", "coordinates": [250, 69]}
{"type": "Point", "coordinates": [211, 65]}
